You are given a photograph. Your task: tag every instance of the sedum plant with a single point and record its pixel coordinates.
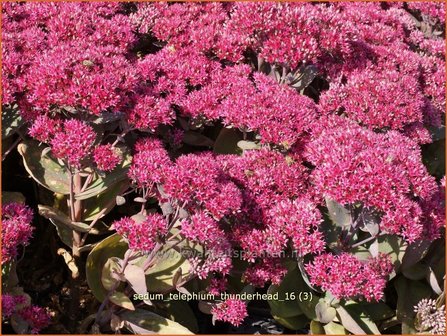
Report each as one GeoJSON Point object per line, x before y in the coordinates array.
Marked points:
{"type": "Point", "coordinates": [291, 149]}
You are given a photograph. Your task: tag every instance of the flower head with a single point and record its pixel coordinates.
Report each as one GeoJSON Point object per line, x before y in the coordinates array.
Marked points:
{"type": "Point", "coordinates": [74, 143]}
{"type": "Point", "coordinates": [106, 157]}
{"type": "Point", "coordinates": [233, 311]}
{"type": "Point", "coordinates": [16, 229]}
{"type": "Point", "coordinates": [142, 235]}
{"type": "Point", "coordinates": [345, 276]}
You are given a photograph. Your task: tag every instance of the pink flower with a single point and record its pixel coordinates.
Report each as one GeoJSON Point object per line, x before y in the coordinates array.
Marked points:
{"type": "Point", "coordinates": [106, 157]}
{"type": "Point", "coordinates": [142, 236]}
{"type": "Point", "coordinates": [74, 143]}
{"type": "Point", "coordinates": [44, 128]}
{"type": "Point", "coordinates": [217, 286]}
{"type": "Point", "coordinates": [199, 180]}
{"type": "Point", "coordinates": [36, 317]}
{"type": "Point", "coordinates": [16, 229]}
{"type": "Point", "coordinates": [150, 164]}
{"type": "Point", "coordinates": [233, 311]}
{"type": "Point", "coordinates": [345, 276]}
{"type": "Point", "coordinates": [383, 171]}
{"type": "Point", "coordinates": [268, 270]}
{"type": "Point", "coordinates": [8, 305]}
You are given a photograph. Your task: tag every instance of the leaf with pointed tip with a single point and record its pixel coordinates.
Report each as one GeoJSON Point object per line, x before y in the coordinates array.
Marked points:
{"type": "Point", "coordinates": [121, 299]}
{"type": "Point", "coordinates": [59, 217]}
{"type": "Point", "coordinates": [112, 246]}
{"type": "Point", "coordinates": [45, 169]}
{"type": "Point", "coordinates": [339, 215]}
{"type": "Point", "coordinates": [110, 270]}
{"type": "Point", "coordinates": [136, 278]}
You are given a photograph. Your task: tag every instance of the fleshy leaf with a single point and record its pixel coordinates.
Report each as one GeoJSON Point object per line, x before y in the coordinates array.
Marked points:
{"type": "Point", "coordinates": [44, 168]}
{"type": "Point", "coordinates": [145, 322]}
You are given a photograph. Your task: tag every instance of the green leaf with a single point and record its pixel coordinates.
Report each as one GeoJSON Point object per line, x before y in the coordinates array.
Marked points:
{"type": "Point", "coordinates": [286, 305]}
{"type": "Point", "coordinates": [226, 142]}
{"type": "Point", "coordinates": [416, 272]}
{"type": "Point", "coordinates": [160, 276]}
{"type": "Point", "coordinates": [136, 278]}
{"type": "Point", "coordinates": [109, 273]}
{"type": "Point", "coordinates": [316, 328]}
{"type": "Point", "coordinates": [415, 252]}
{"type": "Point", "coordinates": [394, 247]}
{"type": "Point", "coordinates": [409, 293]}
{"type": "Point", "coordinates": [11, 120]}
{"type": "Point", "coordinates": [105, 201]}
{"type": "Point", "coordinates": [377, 311]}
{"type": "Point", "coordinates": [325, 313]}
{"type": "Point", "coordinates": [145, 322]}
{"type": "Point", "coordinates": [333, 328]}
{"type": "Point", "coordinates": [339, 215]}
{"type": "Point", "coordinates": [122, 300]}
{"type": "Point", "coordinates": [45, 169]}
{"type": "Point", "coordinates": [181, 312]}
{"type": "Point", "coordinates": [102, 184]}
{"type": "Point", "coordinates": [361, 252]}
{"type": "Point", "coordinates": [113, 246]}
{"type": "Point", "coordinates": [355, 320]}
{"type": "Point", "coordinates": [293, 322]}
{"type": "Point", "coordinates": [60, 218]}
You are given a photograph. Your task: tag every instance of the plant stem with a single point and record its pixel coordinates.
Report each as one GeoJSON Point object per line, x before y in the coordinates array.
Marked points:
{"type": "Point", "coordinates": [365, 240]}
{"type": "Point", "coordinates": [75, 214]}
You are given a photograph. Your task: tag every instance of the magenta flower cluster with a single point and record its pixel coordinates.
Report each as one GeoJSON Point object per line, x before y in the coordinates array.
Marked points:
{"type": "Point", "coordinates": [16, 229]}
{"type": "Point", "coordinates": [345, 276]}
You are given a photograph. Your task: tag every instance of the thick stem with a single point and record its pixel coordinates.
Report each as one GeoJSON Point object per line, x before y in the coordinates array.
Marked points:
{"type": "Point", "coordinates": [75, 214]}
{"type": "Point", "coordinates": [76, 211]}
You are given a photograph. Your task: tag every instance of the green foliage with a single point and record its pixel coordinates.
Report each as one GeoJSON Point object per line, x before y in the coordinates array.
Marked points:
{"type": "Point", "coordinates": [11, 120]}
{"type": "Point", "coordinates": [44, 168]}
{"type": "Point", "coordinates": [145, 322]}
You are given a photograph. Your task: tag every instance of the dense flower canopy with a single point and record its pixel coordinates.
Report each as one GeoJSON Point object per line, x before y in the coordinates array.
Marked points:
{"type": "Point", "coordinates": [335, 99]}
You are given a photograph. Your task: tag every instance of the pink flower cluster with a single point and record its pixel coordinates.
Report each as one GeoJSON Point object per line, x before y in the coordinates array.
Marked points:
{"type": "Point", "coordinates": [275, 111]}
{"type": "Point", "coordinates": [16, 229]}
{"type": "Point", "coordinates": [106, 157]}
{"type": "Point", "coordinates": [383, 171]}
{"type": "Point", "coordinates": [345, 276]}
{"type": "Point", "coordinates": [74, 142]}
{"type": "Point", "coordinates": [233, 311]}
{"type": "Point", "coordinates": [142, 235]}
{"type": "Point", "coordinates": [36, 317]}
{"type": "Point", "coordinates": [71, 54]}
